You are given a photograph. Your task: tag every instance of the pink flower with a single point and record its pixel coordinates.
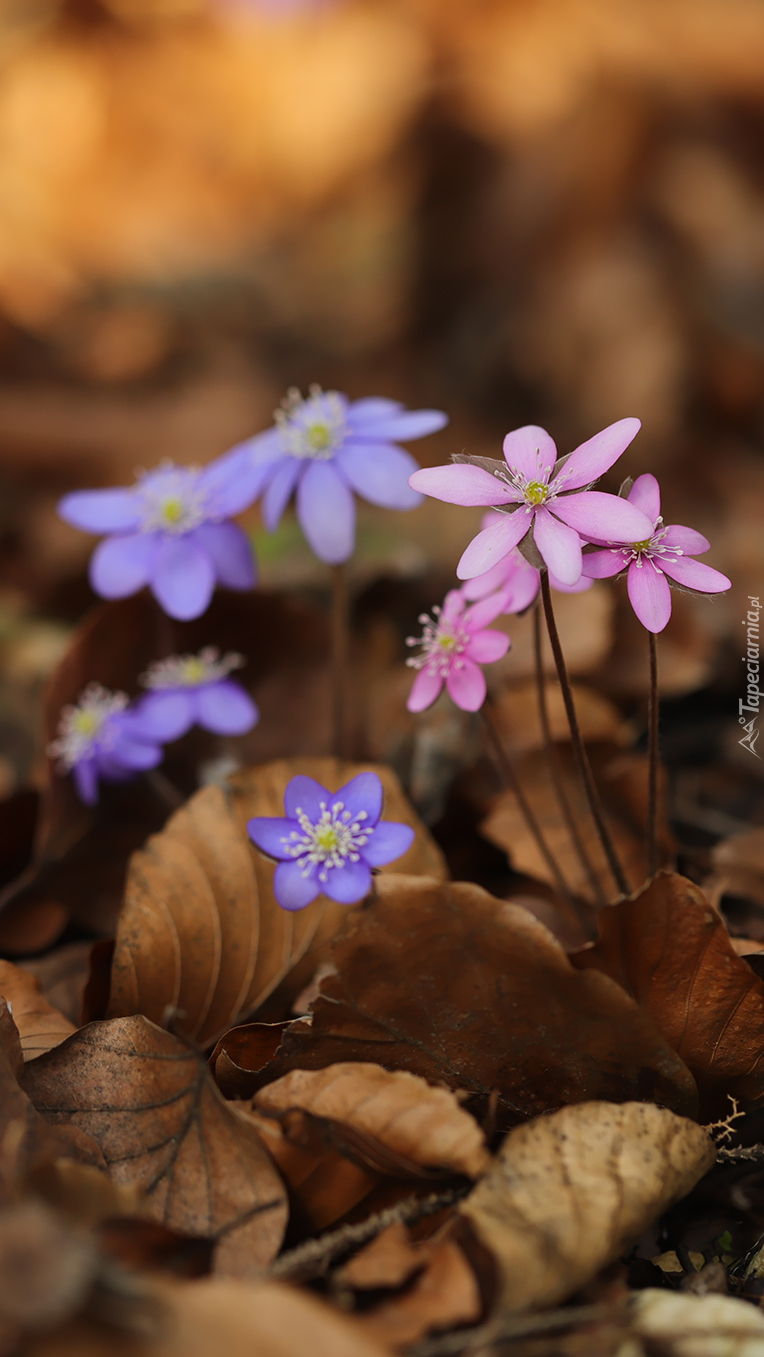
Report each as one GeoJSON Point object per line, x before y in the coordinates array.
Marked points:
{"type": "Point", "coordinates": [454, 644]}
{"type": "Point", "coordinates": [543, 495]}
{"type": "Point", "coordinates": [662, 553]}
{"type": "Point", "coordinates": [516, 577]}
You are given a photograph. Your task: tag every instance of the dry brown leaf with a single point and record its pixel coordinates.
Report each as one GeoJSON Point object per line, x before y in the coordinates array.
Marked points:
{"type": "Point", "coordinates": [697, 1326]}
{"type": "Point", "coordinates": [40, 1025]}
{"type": "Point", "coordinates": [739, 866]}
{"type": "Point", "coordinates": [47, 1267]}
{"type": "Point", "coordinates": [516, 713]}
{"type": "Point", "coordinates": [407, 1118]}
{"type": "Point", "coordinates": [150, 1104]}
{"type": "Point", "coordinates": [214, 1317]}
{"type": "Point", "coordinates": [200, 929]}
{"type": "Point", "coordinates": [388, 1261]}
{"type": "Point", "coordinates": [446, 981]}
{"type": "Point", "coordinates": [240, 1055]}
{"type": "Point", "coordinates": [570, 1192]}
{"type": "Point", "coordinates": [671, 951]}
{"type": "Point", "coordinates": [63, 974]}
{"type": "Point", "coordinates": [444, 1295]}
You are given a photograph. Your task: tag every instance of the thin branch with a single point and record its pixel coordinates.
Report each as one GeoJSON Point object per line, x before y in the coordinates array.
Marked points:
{"type": "Point", "coordinates": [652, 783]}
{"type": "Point", "coordinates": [340, 657]}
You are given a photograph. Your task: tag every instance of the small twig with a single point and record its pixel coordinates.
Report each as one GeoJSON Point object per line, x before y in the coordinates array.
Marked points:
{"type": "Point", "coordinates": [579, 749]}
{"type": "Point", "coordinates": [652, 777]}
{"type": "Point", "coordinates": [315, 1256]}
{"type": "Point", "coordinates": [503, 1330]}
{"type": "Point", "coordinates": [724, 1128]}
{"type": "Point", "coordinates": [511, 779]}
{"type": "Point", "coordinates": [555, 771]}
{"type": "Point", "coordinates": [729, 1155]}
{"type": "Point", "coordinates": [340, 654]}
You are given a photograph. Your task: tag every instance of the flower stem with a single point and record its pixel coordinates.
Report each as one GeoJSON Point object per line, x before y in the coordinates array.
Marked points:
{"type": "Point", "coordinates": [511, 780]}
{"type": "Point", "coordinates": [579, 749]}
{"type": "Point", "coordinates": [555, 771]}
{"type": "Point", "coordinates": [652, 777]}
{"type": "Point", "coordinates": [340, 654]}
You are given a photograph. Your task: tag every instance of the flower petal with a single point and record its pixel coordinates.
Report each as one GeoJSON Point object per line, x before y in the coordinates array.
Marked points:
{"type": "Point", "coordinates": [85, 776]}
{"type": "Point", "coordinates": [466, 685]}
{"type": "Point", "coordinates": [305, 794]}
{"type": "Point", "coordinates": [230, 551]}
{"type": "Point", "coordinates": [579, 587]}
{"type": "Point", "coordinates": [182, 578]}
{"type": "Point", "coordinates": [486, 647]}
{"type": "Point", "coordinates": [292, 889]}
{"type": "Point", "coordinates": [404, 424]}
{"type": "Point", "coordinates": [605, 517]}
{"type": "Point", "coordinates": [370, 410]}
{"type": "Point", "coordinates": [454, 605]}
{"type": "Point", "coordinates": [380, 472]}
{"type": "Point", "coordinates": [225, 708]}
{"type": "Point", "coordinates": [559, 545]}
{"type": "Point", "coordinates": [695, 575]}
{"type": "Point", "coordinates": [649, 594]}
{"type": "Point", "coordinates": [279, 491]}
{"type": "Point", "coordinates": [163, 716]}
{"type": "Point", "coordinates": [686, 540]}
{"type": "Point", "coordinates": [235, 480]}
{"type": "Point", "coordinates": [602, 565]}
{"type": "Point", "coordinates": [121, 566]}
{"type": "Point", "coordinates": [481, 614]}
{"type": "Point", "coordinates": [493, 544]}
{"type": "Point", "coordinates": [348, 884]}
{"type": "Point", "coordinates": [268, 833]}
{"type": "Point", "coordinates": [363, 793]}
{"type": "Point", "coordinates": [531, 452]}
{"type": "Point", "coordinates": [389, 841]}
{"type": "Point", "coordinates": [594, 457]}
{"type": "Point", "coordinates": [326, 511]}
{"type": "Point", "coordinates": [645, 494]}
{"type": "Point", "coordinates": [424, 690]}
{"type": "Point", "coordinates": [461, 483]}
{"type": "Point", "coordinates": [134, 754]}
{"type": "Point", "coordinates": [101, 510]}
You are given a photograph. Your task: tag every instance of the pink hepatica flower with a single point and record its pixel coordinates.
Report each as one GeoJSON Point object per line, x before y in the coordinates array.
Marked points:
{"type": "Point", "coordinates": [662, 558]}
{"type": "Point", "coordinates": [516, 577]}
{"type": "Point", "coordinates": [541, 495]}
{"type": "Point", "coordinates": [171, 531]}
{"type": "Point", "coordinates": [454, 644]}
{"type": "Point", "coordinates": [326, 448]}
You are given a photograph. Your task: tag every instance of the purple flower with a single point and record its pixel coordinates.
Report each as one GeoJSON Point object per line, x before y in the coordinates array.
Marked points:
{"type": "Point", "coordinates": [657, 562]}
{"type": "Point", "coordinates": [189, 690]}
{"type": "Point", "coordinates": [329, 841]}
{"type": "Point", "coordinates": [99, 738]}
{"type": "Point", "coordinates": [454, 644]}
{"type": "Point", "coordinates": [323, 449]}
{"type": "Point", "coordinates": [516, 578]}
{"type": "Point", "coordinates": [541, 495]}
{"type": "Point", "coordinates": [171, 531]}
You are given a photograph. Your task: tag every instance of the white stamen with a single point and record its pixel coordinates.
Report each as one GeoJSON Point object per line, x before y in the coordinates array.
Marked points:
{"type": "Point", "coordinates": [85, 727]}
{"type": "Point", "coordinates": [443, 643]}
{"type": "Point", "coordinates": [173, 500]}
{"type": "Point", "coordinates": [312, 428]}
{"type": "Point", "coordinates": [191, 671]}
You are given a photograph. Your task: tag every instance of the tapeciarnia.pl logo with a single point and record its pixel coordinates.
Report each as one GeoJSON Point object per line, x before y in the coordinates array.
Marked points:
{"type": "Point", "coordinates": [752, 701]}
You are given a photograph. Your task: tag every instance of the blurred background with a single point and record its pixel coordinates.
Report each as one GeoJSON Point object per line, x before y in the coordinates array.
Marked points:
{"type": "Point", "coordinates": [546, 211]}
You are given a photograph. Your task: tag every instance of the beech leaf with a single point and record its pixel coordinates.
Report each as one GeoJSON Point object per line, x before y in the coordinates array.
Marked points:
{"type": "Point", "coordinates": [446, 981]}
{"type": "Point", "coordinates": [200, 929]}
{"type": "Point", "coordinates": [671, 951]}
{"type": "Point", "coordinates": [149, 1102]}
{"type": "Point", "coordinates": [39, 1024]}
{"type": "Point", "coordinates": [568, 1193]}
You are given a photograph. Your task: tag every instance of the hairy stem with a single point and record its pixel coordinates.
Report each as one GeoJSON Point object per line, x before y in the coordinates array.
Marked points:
{"type": "Point", "coordinates": [511, 780]}
{"type": "Point", "coordinates": [652, 777]}
{"type": "Point", "coordinates": [340, 658]}
{"type": "Point", "coordinates": [579, 749]}
{"type": "Point", "coordinates": [555, 771]}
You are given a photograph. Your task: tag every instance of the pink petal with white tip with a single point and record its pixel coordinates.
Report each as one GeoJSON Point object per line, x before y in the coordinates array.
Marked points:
{"type": "Point", "coordinates": [649, 594]}
{"type": "Point", "coordinates": [462, 483]}
{"type": "Point", "coordinates": [531, 452]}
{"type": "Point", "coordinates": [696, 575]}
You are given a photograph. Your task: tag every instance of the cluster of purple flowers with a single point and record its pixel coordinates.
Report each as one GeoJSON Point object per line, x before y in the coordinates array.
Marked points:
{"type": "Point", "coordinates": [102, 737]}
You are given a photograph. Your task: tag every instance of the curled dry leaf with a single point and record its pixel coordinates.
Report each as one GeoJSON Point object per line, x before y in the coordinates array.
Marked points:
{"type": "Point", "coordinates": [444, 1294]}
{"type": "Point", "coordinates": [215, 1316]}
{"type": "Point", "coordinates": [40, 1025]}
{"type": "Point", "coordinates": [739, 866]}
{"type": "Point", "coordinates": [240, 1055]}
{"type": "Point", "coordinates": [200, 929]}
{"type": "Point", "coordinates": [150, 1104]}
{"type": "Point", "coordinates": [63, 974]}
{"type": "Point", "coordinates": [446, 981]}
{"type": "Point", "coordinates": [697, 1326]}
{"type": "Point", "coordinates": [671, 951]}
{"type": "Point", "coordinates": [412, 1123]}
{"type": "Point", "coordinates": [570, 1192]}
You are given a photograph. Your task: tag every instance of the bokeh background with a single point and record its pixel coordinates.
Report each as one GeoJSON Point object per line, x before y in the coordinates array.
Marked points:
{"type": "Point", "coordinates": [546, 211]}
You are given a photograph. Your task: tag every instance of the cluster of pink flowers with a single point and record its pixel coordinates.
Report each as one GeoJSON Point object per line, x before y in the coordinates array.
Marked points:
{"type": "Point", "coordinates": [547, 516]}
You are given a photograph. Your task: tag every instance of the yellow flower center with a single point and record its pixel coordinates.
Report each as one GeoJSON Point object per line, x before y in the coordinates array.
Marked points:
{"type": "Point", "coordinates": [194, 671]}
{"type": "Point", "coordinates": [326, 839]}
{"type": "Point", "coordinates": [535, 492]}
{"type": "Point", "coordinates": [172, 510]}
{"type": "Point", "coordinates": [447, 642]}
{"type": "Point", "coordinates": [318, 437]}
{"type": "Point", "coordinates": [642, 546]}
{"type": "Point", "coordinates": [87, 722]}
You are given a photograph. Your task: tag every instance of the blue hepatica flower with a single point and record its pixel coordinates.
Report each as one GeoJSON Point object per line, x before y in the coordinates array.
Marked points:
{"type": "Point", "coordinates": [187, 690]}
{"type": "Point", "coordinates": [329, 841]}
{"type": "Point", "coordinates": [99, 738]}
{"type": "Point", "coordinates": [171, 531]}
{"type": "Point", "coordinates": [324, 448]}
